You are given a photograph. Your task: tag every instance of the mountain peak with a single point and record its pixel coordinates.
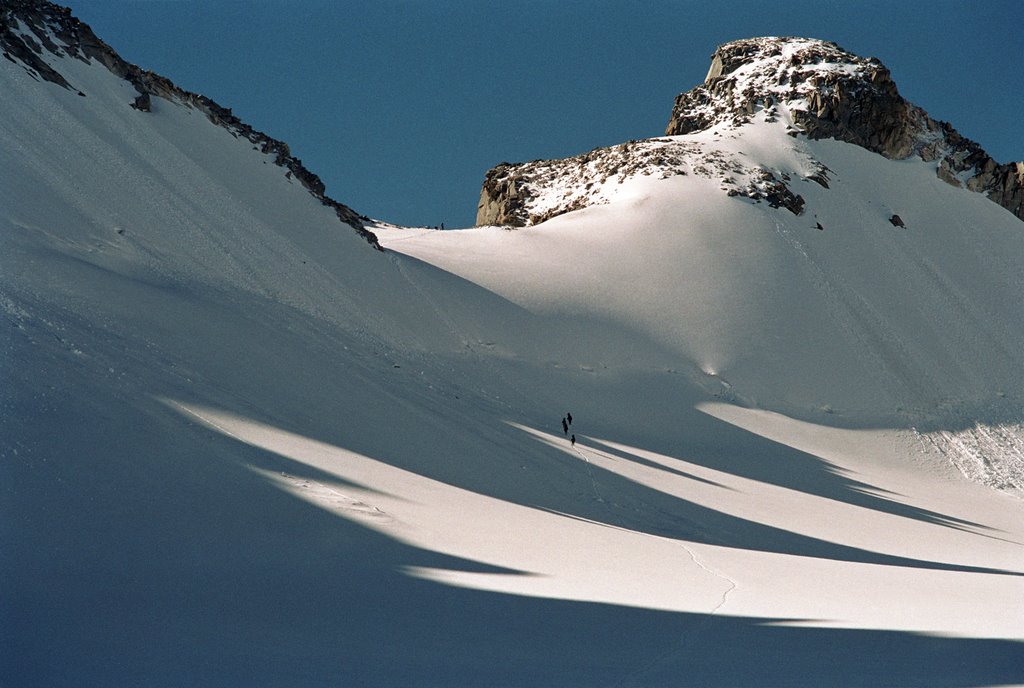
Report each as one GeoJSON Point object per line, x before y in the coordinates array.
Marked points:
{"type": "Point", "coordinates": [781, 54]}
{"type": "Point", "coordinates": [809, 87]}
{"type": "Point", "coordinates": [832, 93]}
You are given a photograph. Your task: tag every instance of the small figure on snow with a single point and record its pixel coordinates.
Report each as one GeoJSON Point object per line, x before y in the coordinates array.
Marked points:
{"type": "Point", "coordinates": [572, 441]}
{"type": "Point", "coordinates": [565, 427]}
{"type": "Point", "coordinates": [569, 416]}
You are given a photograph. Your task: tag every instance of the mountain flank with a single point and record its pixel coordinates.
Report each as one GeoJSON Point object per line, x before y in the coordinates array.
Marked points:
{"type": "Point", "coordinates": [32, 30]}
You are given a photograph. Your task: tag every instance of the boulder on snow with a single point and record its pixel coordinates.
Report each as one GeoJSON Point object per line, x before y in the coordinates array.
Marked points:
{"type": "Point", "coordinates": [143, 103]}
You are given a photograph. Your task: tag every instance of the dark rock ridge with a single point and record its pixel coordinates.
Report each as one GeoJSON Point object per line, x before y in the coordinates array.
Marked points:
{"type": "Point", "coordinates": [50, 28]}
{"type": "Point", "coordinates": [831, 93]}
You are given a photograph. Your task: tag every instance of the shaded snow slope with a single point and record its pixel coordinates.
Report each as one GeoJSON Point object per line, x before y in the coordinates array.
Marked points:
{"type": "Point", "coordinates": [238, 446]}
{"type": "Point", "coordinates": [47, 41]}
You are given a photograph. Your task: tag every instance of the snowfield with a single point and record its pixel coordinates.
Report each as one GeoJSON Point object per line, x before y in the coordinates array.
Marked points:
{"type": "Point", "coordinates": [240, 447]}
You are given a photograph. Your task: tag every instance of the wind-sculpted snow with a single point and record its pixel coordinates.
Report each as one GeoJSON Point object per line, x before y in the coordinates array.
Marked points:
{"type": "Point", "coordinates": [989, 451]}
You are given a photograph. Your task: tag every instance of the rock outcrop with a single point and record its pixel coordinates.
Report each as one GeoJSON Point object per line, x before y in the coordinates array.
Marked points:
{"type": "Point", "coordinates": [31, 28]}
{"type": "Point", "coordinates": [819, 88]}
{"type": "Point", "coordinates": [530, 193]}
{"type": "Point", "coordinates": [831, 93]}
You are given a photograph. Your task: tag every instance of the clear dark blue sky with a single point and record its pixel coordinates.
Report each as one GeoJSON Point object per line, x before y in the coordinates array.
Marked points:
{"type": "Point", "coordinates": [402, 106]}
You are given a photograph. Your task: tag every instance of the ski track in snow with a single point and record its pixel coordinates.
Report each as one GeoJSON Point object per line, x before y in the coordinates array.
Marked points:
{"type": "Point", "coordinates": [729, 581]}
{"type": "Point", "coordinates": [590, 472]}
{"type": "Point", "coordinates": [673, 652]}
{"type": "Point", "coordinates": [731, 585]}
{"type": "Point", "coordinates": [841, 301]}
{"type": "Point", "coordinates": [327, 497]}
{"type": "Point", "coordinates": [696, 560]}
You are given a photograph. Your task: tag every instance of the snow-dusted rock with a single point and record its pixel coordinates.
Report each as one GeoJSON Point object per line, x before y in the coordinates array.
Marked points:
{"type": "Point", "coordinates": [813, 87]}
{"type": "Point", "coordinates": [831, 93]}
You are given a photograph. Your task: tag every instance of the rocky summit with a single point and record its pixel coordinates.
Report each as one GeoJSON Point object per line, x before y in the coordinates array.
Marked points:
{"type": "Point", "coordinates": [814, 88]}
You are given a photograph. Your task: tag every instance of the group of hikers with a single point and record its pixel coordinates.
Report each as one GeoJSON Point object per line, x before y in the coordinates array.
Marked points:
{"type": "Point", "coordinates": [566, 423]}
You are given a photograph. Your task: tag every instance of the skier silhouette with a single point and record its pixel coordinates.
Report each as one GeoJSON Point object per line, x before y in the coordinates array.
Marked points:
{"type": "Point", "coordinates": [572, 441]}
{"type": "Point", "coordinates": [565, 427]}
{"type": "Point", "coordinates": [569, 416]}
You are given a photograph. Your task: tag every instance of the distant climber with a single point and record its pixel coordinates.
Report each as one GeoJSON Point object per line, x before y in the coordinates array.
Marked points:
{"type": "Point", "coordinates": [569, 416]}
{"type": "Point", "coordinates": [565, 427]}
{"type": "Point", "coordinates": [572, 441]}
{"type": "Point", "coordinates": [442, 226]}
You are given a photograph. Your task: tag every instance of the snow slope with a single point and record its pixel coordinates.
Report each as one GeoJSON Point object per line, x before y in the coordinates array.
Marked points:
{"type": "Point", "coordinates": [241, 447]}
{"type": "Point", "coordinates": [858, 323]}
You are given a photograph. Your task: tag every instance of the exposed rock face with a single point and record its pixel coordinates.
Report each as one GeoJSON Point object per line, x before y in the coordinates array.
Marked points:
{"type": "Point", "coordinates": [31, 28]}
{"type": "Point", "coordinates": [831, 93]}
{"type": "Point", "coordinates": [501, 198]}
{"type": "Point", "coordinates": [530, 193]}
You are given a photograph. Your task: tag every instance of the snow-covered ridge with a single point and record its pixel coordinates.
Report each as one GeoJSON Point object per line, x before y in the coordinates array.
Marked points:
{"type": "Point", "coordinates": [39, 35]}
{"type": "Point", "coordinates": [813, 88]}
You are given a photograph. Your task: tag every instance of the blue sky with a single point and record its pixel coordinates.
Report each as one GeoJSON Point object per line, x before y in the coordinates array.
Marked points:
{"type": "Point", "coordinates": [402, 107]}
